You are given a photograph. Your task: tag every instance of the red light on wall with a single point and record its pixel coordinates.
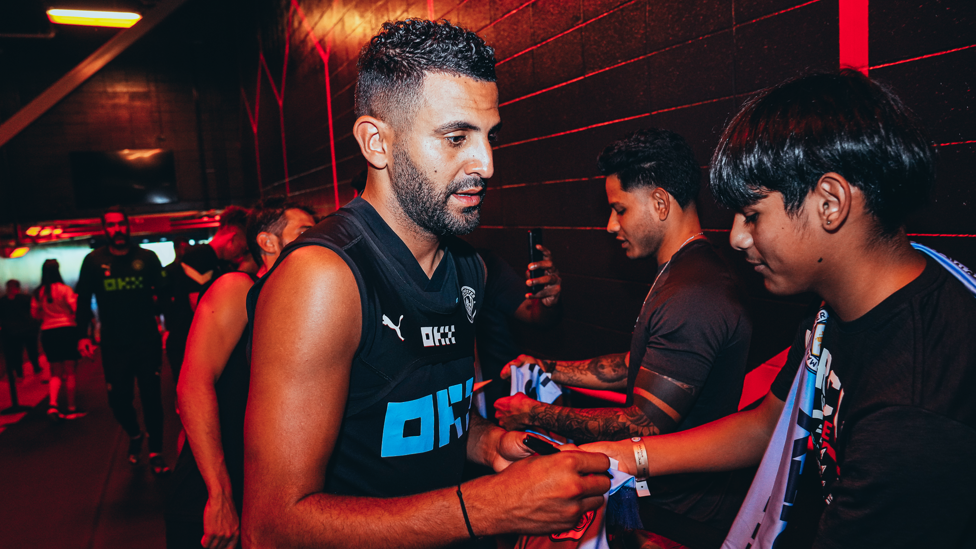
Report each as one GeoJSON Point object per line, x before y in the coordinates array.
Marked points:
{"type": "Point", "coordinates": [33, 231]}
{"type": "Point", "coordinates": [46, 231]}
{"type": "Point", "coordinates": [91, 18]}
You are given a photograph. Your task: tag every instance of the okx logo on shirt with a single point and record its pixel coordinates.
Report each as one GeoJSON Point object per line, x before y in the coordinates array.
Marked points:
{"type": "Point", "coordinates": [409, 427]}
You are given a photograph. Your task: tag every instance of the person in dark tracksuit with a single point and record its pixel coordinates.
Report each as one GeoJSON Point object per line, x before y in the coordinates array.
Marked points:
{"type": "Point", "coordinates": [124, 278]}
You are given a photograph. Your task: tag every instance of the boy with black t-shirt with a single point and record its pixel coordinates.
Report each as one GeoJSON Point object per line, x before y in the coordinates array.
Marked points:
{"type": "Point", "coordinates": [822, 172]}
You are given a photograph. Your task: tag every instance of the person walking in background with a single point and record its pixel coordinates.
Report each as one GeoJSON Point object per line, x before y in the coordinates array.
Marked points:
{"type": "Point", "coordinates": [125, 279]}
{"type": "Point", "coordinates": [18, 330]}
{"type": "Point", "coordinates": [54, 304]}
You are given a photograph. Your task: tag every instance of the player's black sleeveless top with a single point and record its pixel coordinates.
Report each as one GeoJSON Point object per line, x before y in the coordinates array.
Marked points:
{"type": "Point", "coordinates": [405, 426]}
{"type": "Point", "coordinates": [188, 492]}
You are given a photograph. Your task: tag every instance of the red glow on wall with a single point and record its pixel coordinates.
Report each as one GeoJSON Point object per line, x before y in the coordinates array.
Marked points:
{"type": "Point", "coordinates": [853, 29]}
{"type": "Point", "coordinates": [324, 54]}
{"type": "Point", "coordinates": [608, 122]}
{"type": "Point", "coordinates": [280, 98]}
{"type": "Point", "coordinates": [923, 57]}
{"type": "Point", "coordinates": [565, 32]}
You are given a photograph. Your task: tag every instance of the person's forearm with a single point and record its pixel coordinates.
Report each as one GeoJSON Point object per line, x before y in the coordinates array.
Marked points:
{"type": "Point", "coordinates": [603, 372]}
{"type": "Point", "coordinates": [589, 424]}
{"type": "Point", "coordinates": [199, 414]}
{"type": "Point", "coordinates": [432, 519]}
{"type": "Point", "coordinates": [732, 442]}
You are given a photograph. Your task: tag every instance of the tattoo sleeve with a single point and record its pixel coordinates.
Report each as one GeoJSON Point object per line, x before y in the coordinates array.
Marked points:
{"type": "Point", "coordinates": [592, 424]}
{"type": "Point", "coordinates": [604, 372]}
{"type": "Point", "coordinates": [660, 403]}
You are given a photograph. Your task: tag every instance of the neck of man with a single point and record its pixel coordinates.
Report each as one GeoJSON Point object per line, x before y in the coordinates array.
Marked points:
{"type": "Point", "coordinates": [425, 247]}
{"type": "Point", "coordinates": [683, 226]}
{"type": "Point", "coordinates": [118, 251]}
{"type": "Point", "coordinates": [864, 274]}
{"type": "Point", "coordinates": [267, 261]}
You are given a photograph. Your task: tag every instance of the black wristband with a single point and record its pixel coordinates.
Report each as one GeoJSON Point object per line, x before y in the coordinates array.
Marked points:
{"type": "Point", "coordinates": [464, 512]}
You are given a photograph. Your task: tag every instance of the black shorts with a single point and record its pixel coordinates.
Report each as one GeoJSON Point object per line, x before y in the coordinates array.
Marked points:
{"type": "Point", "coordinates": [60, 344]}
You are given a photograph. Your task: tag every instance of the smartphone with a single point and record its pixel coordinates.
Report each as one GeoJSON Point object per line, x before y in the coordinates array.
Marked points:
{"type": "Point", "coordinates": [535, 254]}
{"type": "Point", "coordinates": [539, 446]}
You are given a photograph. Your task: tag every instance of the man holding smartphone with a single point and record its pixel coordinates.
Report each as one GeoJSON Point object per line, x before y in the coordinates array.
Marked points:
{"type": "Point", "coordinates": [687, 359]}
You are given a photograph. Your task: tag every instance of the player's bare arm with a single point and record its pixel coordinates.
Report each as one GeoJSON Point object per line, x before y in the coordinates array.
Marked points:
{"type": "Point", "coordinates": [216, 329]}
{"type": "Point", "coordinates": [307, 329]}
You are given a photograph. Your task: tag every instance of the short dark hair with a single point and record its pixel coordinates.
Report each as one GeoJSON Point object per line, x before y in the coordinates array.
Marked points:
{"type": "Point", "coordinates": [392, 65]}
{"type": "Point", "coordinates": [269, 216]}
{"type": "Point", "coordinates": [789, 136]}
{"type": "Point", "coordinates": [654, 157]}
{"type": "Point", "coordinates": [115, 209]}
{"type": "Point", "coordinates": [13, 282]}
{"type": "Point", "coordinates": [234, 216]}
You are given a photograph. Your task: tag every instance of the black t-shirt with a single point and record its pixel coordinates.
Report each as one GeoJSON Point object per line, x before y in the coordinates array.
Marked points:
{"type": "Point", "coordinates": [899, 433]}
{"type": "Point", "coordinates": [504, 292]}
{"type": "Point", "coordinates": [15, 315]}
{"type": "Point", "coordinates": [188, 492]}
{"type": "Point", "coordinates": [124, 287]}
{"type": "Point", "coordinates": [198, 267]}
{"type": "Point", "coordinates": [405, 426]}
{"type": "Point", "coordinates": [694, 328]}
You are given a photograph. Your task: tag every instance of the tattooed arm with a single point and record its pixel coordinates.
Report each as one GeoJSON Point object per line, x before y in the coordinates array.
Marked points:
{"type": "Point", "coordinates": [608, 372]}
{"type": "Point", "coordinates": [660, 403]}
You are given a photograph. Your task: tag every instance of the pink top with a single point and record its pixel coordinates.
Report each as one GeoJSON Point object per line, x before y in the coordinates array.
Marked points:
{"type": "Point", "coordinates": [60, 311]}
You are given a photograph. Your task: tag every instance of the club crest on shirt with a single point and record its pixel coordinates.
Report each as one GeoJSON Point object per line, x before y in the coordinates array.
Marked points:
{"type": "Point", "coordinates": [468, 295]}
{"type": "Point", "coordinates": [577, 532]}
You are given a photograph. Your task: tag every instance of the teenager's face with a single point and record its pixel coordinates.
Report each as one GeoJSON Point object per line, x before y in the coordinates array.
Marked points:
{"type": "Point", "coordinates": [298, 222]}
{"type": "Point", "coordinates": [632, 219]}
{"type": "Point", "coordinates": [116, 229]}
{"type": "Point", "coordinates": [442, 158]}
{"type": "Point", "coordinates": [779, 247]}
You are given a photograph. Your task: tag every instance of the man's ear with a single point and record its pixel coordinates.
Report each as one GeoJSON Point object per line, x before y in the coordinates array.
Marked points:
{"type": "Point", "coordinates": [268, 243]}
{"type": "Point", "coordinates": [833, 196]}
{"type": "Point", "coordinates": [374, 137]}
{"type": "Point", "coordinates": [660, 202]}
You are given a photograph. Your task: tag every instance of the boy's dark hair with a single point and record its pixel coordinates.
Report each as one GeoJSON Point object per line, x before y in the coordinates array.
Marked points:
{"type": "Point", "coordinates": [392, 65]}
{"type": "Point", "coordinates": [115, 209]}
{"type": "Point", "coordinates": [785, 139]}
{"type": "Point", "coordinates": [268, 216]}
{"type": "Point", "coordinates": [653, 157]}
{"type": "Point", "coordinates": [234, 216]}
{"type": "Point", "coordinates": [13, 282]}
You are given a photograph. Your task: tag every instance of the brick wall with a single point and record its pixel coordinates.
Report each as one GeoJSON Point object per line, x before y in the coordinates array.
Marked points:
{"type": "Point", "coordinates": [574, 75]}
{"type": "Point", "coordinates": [178, 88]}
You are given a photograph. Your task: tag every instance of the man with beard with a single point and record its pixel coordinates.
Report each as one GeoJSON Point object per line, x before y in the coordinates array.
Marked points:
{"type": "Point", "coordinates": [124, 278]}
{"type": "Point", "coordinates": [362, 365]}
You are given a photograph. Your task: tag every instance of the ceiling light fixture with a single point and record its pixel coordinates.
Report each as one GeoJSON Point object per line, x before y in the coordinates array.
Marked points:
{"type": "Point", "coordinates": [117, 19]}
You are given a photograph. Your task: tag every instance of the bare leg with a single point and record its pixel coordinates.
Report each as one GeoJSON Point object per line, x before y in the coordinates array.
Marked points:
{"type": "Point", "coordinates": [69, 375]}
{"type": "Point", "coordinates": [54, 386]}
